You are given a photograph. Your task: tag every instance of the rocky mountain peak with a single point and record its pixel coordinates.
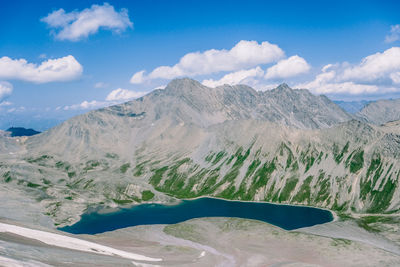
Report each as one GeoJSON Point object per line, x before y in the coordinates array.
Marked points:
{"type": "Point", "coordinates": [284, 87]}
{"type": "Point", "coordinates": [184, 85]}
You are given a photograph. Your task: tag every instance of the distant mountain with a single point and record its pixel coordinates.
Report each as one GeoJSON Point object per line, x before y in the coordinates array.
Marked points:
{"type": "Point", "coordinates": [352, 107]}
{"type": "Point", "coordinates": [21, 131]}
{"type": "Point", "coordinates": [381, 111]}
{"type": "Point", "coordinates": [189, 140]}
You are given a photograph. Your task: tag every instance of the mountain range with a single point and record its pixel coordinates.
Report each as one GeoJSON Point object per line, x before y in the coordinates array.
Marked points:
{"type": "Point", "coordinates": [188, 140]}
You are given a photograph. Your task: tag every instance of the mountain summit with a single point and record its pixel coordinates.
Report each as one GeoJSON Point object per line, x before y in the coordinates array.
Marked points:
{"type": "Point", "coordinates": [283, 87]}
{"type": "Point", "coordinates": [205, 106]}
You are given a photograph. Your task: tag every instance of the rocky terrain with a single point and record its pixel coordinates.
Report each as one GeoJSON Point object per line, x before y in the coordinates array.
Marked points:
{"type": "Point", "coordinates": [240, 242]}
{"type": "Point", "coordinates": [188, 140]}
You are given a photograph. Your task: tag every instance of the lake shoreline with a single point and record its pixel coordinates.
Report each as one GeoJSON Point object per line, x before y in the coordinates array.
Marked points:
{"type": "Point", "coordinates": [286, 216]}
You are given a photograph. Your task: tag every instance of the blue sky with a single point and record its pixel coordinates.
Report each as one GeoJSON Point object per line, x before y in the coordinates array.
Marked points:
{"type": "Point", "coordinates": [347, 50]}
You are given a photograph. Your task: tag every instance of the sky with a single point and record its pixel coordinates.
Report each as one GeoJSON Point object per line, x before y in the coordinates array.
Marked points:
{"type": "Point", "coordinates": [62, 58]}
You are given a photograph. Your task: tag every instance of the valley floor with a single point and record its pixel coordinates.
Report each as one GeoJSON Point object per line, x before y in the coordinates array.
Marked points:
{"type": "Point", "coordinates": [199, 242]}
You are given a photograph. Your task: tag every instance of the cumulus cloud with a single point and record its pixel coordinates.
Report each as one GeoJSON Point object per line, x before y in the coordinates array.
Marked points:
{"type": "Point", "coordinates": [123, 94]}
{"type": "Point", "coordinates": [6, 89]}
{"type": "Point", "coordinates": [87, 105]}
{"type": "Point", "coordinates": [286, 68]}
{"type": "Point", "coordinates": [243, 55]}
{"type": "Point", "coordinates": [377, 73]}
{"type": "Point", "coordinates": [394, 34]}
{"type": "Point", "coordinates": [76, 25]}
{"type": "Point", "coordinates": [327, 83]}
{"type": "Point", "coordinates": [114, 97]}
{"type": "Point", "coordinates": [321, 86]}
{"type": "Point", "coordinates": [241, 76]}
{"type": "Point", "coordinates": [374, 68]}
{"type": "Point", "coordinates": [138, 77]}
{"type": "Point", "coordinates": [52, 70]}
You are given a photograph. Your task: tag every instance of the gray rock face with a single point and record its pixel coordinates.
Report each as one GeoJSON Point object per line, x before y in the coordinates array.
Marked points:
{"type": "Point", "coordinates": [300, 108]}
{"type": "Point", "coordinates": [381, 111]}
{"type": "Point", "coordinates": [296, 108]}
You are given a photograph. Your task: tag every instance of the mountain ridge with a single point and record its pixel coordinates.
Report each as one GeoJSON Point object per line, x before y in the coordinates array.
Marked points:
{"type": "Point", "coordinates": [236, 143]}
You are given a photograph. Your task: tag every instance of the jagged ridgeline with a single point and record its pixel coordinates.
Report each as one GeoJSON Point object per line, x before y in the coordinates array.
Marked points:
{"type": "Point", "coordinates": [188, 140]}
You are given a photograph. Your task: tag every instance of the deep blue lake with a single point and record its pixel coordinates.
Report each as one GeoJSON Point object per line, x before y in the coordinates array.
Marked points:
{"type": "Point", "coordinates": [284, 216]}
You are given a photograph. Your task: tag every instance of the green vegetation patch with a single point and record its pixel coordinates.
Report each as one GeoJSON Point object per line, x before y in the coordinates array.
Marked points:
{"type": "Point", "coordinates": [147, 195]}
{"type": "Point", "coordinates": [308, 157]}
{"type": "Point", "coordinates": [124, 167]}
{"type": "Point", "coordinates": [260, 179]}
{"type": "Point", "coordinates": [122, 201]}
{"type": "Point", "coordinates": [304, 193]}
{"type": "Point", "coordinates": [218, 157]}
{"type": "Point", "coordinates": [323, 191]}
{"type": "Point", "coordinates": [33, 185]}
{"type": "Point", "coordinates": [339, 155]}
{"type": "Point", "coordinates": [40, 159]}
{"type": "Point", "coordinates": [287, 189]}
{"type": "Point", "coordinates": [381, 199]}
{"type": "Point", "coordinates": [340, 242]}
{"type": "Point", "coordinates": [139, 168]}
{"type": "Point", "coordinates": [111, 156]}
{"type": "Point", "coordinates": [7, 177]}
{"type": "Point", "coordinates": [71, 174]}
{"type": "Point", "coordinates": [156, 178]}
{"type": "Point", "coordinates": [91, 164]}
{"type": "Point", "coordinates": [375, 223]}
{"type": "Point", "coordinates": [357, 161]}
{"type": "Point", "coordinates": [63, 165]}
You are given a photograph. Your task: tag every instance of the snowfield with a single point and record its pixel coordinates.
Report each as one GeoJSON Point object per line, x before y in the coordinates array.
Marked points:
{"type": "Point", "coordinates": [71, 242]}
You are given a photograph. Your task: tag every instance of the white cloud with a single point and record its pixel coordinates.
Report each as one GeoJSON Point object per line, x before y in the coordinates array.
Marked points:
{"type": "Point", "coordinates": [76, 25]}
{"type": "Point", "coordinates": [114, 97]}
{"type": "Point", "coordinates": [285, 68]}
{"type": "Point", "coordinates": [339, 88]}
{"type": "Point", "coordinates": [60, 69]}
{"type": "Point", "coordinates": [16, 110]}
{"type": "Point", "coordinates": [100, 85]}
{"type": "Point", "coordinates": [87, 105]}
{"type": "Point", "coordinates": [289, 67]}
{"type": "Point", "coordinates": [123, 94]}
{"type": "Point", "coordinates": [377, 73]}
{"type": "Point", "coordinates": [138, 77]}
{"type": "Point", "coordinates": [375, 67]}
{"type": "Point", "coordinates": [5, 104]}
{"type": "Point", "coordinates": [6, 89]}
{"type": "Point", "coordinates": [244, 54]}
{"type": "Point", "coordinates": [241, 76]}
{"type": "Point", "coordinates": [394, 34]}
{"type": "Point", "coordinates": [326, 83]}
